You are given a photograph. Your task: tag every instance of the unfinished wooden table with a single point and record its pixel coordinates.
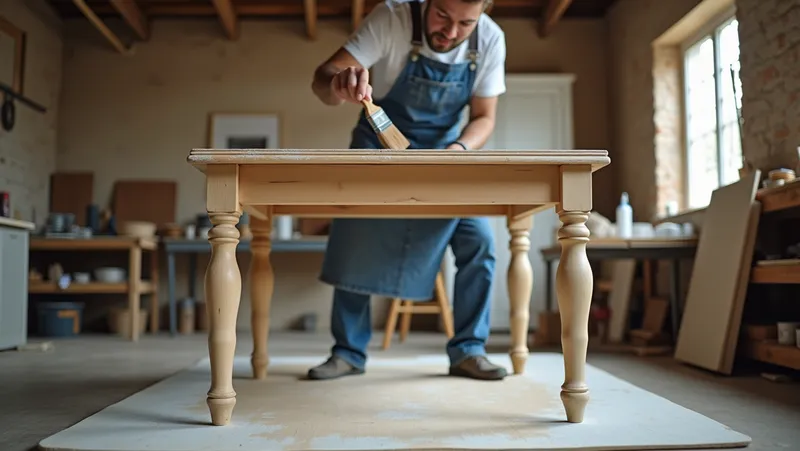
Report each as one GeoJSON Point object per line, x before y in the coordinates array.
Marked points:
{"type": "Point", "coordinates": [396, 183]}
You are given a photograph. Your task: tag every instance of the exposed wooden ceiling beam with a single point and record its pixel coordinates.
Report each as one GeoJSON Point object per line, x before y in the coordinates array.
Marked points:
{"type": "Point", "coordinates": [310, 9]}
{"type": "Point", "coordinates": [227, 17]}
{"type": "Point", "coordinates": [104, 30]}
{"type": "Point", "coordinates": [129, 10]}
{"type": "Point", "coordinates": [546, 13]}
{"type": "Point", "coordinates": [279, 9]}
{"type": "Point", "coordinates": [358, 13]}
{"type": "Point", "coordinates": [552, 14]}
{"type": "Point", "coordinates": [263, 8]}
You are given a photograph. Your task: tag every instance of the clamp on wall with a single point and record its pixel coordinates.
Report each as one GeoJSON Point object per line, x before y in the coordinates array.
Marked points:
{"type": "Point", "coordinates": [8, 109]}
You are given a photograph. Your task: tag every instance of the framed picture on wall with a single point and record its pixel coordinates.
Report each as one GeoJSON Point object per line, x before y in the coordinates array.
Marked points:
{"type": "Point", "coordinates": [12, 55]}
{"type": "Point", "coordinates": [244, 131]}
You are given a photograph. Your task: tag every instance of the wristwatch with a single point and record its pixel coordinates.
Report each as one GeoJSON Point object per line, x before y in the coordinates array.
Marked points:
{"type": "Point", "coordinates": [461, 144]}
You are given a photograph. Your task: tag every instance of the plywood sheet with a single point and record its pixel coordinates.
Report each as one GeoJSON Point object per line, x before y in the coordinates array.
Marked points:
{"type": "Point", "coordinates": [145, 200]}
{"type": "Point", "coordinates": [71, 192]}
{"type": "Point", "coordinates": [399, 404]}
{"type": "Point", "coordinates": [712, 315]}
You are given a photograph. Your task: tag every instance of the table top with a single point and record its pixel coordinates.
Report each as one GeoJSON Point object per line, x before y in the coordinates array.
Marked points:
{"type": "Point", "coordinates": [201, 157]}
{"type": "Point", "coordinates": [392, 183]}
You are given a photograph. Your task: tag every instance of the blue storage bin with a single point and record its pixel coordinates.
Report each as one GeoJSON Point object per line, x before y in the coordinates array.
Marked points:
{"type": "Point", "coordinates": [59, 319]}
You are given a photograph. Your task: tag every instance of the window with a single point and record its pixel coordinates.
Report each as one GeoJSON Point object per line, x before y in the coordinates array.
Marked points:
{"type": "Point", "coordinates": [713, 94]}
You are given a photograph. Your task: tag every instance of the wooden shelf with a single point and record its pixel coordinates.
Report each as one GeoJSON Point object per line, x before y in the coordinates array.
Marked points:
{"type": "Point", "coordinates": [780, 198]}
{"type": "Point", "coordinates": [95, 243]}
{"type": "Point", "coordinates": [132, 246]}
{"type": "Point", "coordinates": [784, 271]}
{"type": "Point", "coordinates": [770, 351]}
{"type": "Point", "coordinates": [776, 273]}
{"type": "Point", "coordinates": [87, 288]}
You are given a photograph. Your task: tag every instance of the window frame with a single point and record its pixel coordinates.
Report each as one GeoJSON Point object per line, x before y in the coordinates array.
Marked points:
{"type": "Point", "coordinates": [710, 29]}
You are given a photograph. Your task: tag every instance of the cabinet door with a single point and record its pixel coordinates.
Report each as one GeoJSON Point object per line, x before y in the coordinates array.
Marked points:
{"type": "Point", "coordinates": [13, 287]}
{"type": "Point", "coordinates": [535, 113]}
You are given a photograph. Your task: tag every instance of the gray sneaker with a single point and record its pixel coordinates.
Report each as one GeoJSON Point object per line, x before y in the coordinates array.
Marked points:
{"type": "Point", "coordinates": [334, 367]}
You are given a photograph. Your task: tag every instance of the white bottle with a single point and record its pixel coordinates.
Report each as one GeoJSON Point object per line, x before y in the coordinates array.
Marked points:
{"type": "Point", "coordinates": [624, 218]}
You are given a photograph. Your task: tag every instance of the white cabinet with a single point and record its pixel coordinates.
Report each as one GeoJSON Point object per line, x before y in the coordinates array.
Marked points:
{"type": "Point", "coordinates": [14, 245]}
{"type": "Point", "coordinates": [534, 113]}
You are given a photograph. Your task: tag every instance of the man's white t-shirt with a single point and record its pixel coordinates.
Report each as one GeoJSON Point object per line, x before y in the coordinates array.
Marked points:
{"type": "Point", "coordinates": [382, 44]}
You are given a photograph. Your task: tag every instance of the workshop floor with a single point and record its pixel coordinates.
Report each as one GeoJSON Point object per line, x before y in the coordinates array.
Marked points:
{"type": "Point", "coordinates": [43, 393]}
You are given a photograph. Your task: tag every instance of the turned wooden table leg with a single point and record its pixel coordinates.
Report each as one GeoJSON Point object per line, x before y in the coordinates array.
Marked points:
{"type": "Point", "coordinates": [223, 287]}
{"type": "Point", "coordinates": [574, 283]}
{"type": "Point", "coordinates": [574, 288]}
{"type": "Point", "coordinates": [262, 282]}
{"type": "Point", "coordinates": [520, 285]}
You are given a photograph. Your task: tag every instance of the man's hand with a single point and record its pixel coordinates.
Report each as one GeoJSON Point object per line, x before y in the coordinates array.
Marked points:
{"type": "Point", "coordinates": [454, 146]}
{"type": "Point", "coordinates": [341, 79]}
{"type": "Point", "coordinates": [352, 85]}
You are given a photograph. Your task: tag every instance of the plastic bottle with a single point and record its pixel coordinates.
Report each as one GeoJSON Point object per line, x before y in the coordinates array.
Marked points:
{"type": "Point", "coordinates": [624, 217]}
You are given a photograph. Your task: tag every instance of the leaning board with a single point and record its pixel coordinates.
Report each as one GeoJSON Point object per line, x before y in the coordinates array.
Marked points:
{"type": "Point", "coordinates": [715, 299]}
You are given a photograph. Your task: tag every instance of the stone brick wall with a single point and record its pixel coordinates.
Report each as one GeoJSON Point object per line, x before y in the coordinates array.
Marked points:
{"type": "Point", "coordinates": [769, 34]}
{"type": "Point", "coordinates": [28, 151]}
{"type": "Point", "coordinates": [668, 119]}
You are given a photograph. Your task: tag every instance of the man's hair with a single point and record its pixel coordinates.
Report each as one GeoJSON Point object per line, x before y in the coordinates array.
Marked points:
{"type": "Point", "coordinates": [486, 3]}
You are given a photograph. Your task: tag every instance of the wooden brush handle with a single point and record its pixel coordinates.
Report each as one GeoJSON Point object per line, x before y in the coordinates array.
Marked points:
{"type": "Point", "coordinates": [370, 107]}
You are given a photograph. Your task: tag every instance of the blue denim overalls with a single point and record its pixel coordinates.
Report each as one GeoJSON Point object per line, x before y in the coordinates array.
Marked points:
{"type": "Point", "coordinates": [401, 257]}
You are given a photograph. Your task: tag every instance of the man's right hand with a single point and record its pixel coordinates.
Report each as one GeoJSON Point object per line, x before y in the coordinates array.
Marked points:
{"type": "Point", "coordinates": [352, 85]}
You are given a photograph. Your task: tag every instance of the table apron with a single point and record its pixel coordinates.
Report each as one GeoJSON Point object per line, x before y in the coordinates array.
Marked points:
{"type": "Point", "coordinates": [398, 185]}
{"type": "Point", "coordinates": [404, 211]}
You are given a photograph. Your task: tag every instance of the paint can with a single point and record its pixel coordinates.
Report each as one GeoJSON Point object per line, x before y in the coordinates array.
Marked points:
{"type": "Point", "coordinates": [5, 204]}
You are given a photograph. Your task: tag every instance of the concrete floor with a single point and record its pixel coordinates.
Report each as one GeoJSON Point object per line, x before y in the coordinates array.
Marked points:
{"type": "Point", "coordinates": [43, 393]}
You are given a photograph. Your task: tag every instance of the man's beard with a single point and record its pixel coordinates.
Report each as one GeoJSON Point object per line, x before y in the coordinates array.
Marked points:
{"type": "Point", "coordinates": [453, 44]}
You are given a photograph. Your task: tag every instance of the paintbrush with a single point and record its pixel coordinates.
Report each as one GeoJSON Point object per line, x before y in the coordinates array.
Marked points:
{"type": "Point", "coordinates": [388, 134]}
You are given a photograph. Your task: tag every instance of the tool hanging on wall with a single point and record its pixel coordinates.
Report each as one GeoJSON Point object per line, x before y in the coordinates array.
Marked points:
{"type": "Point", "coordinates": [8, 109]}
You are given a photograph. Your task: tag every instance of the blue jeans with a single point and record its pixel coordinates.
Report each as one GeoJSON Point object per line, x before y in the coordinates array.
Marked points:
{"type": "Point", "coordinates": [473, 247]}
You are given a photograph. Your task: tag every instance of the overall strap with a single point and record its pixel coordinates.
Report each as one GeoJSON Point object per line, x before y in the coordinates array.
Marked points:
{"type": "Point", "coordinates": [473, 47]}
{"type": "Point", "coordinates": [416, 31]}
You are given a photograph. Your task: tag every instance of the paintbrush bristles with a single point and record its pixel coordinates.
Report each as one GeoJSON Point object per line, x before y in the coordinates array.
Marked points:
{"type": "Point", "coordinates": [388, 134]}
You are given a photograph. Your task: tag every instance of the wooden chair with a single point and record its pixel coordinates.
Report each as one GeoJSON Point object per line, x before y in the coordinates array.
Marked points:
{"type": "Point", "coordinates": [439, 305]}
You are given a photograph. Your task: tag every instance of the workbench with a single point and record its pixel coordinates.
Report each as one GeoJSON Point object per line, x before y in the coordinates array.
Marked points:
{"type": "Point", "coordinates": [672, 249]}
{"type": "Point", "coordinates": [193, 247]}
{"type": "Point", "coordinates": [513, 184]}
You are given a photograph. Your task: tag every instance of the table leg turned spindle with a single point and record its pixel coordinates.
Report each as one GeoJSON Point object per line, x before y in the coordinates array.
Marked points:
{"type": "Point", "coordinates": [574, 287]}
{"type": "Point", "coordinates": [223, 287]}
{"type": "Point", "coordinates": [262, 282]}
{"type": "Point", "coordinates": [520, 285]}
